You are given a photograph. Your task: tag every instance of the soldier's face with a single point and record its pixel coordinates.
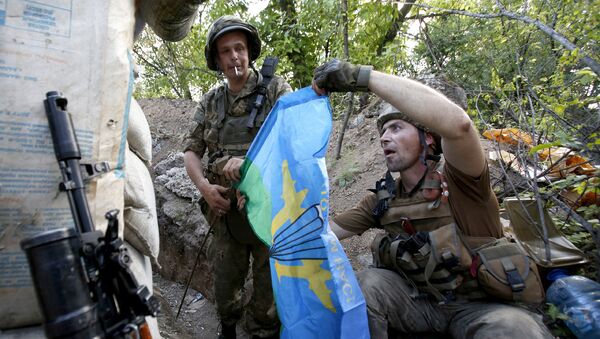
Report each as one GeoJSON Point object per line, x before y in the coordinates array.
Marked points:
{"type": "Point", "coordinates": [232, 54]}
{"type": "Point", "coordinates": [401, 146]}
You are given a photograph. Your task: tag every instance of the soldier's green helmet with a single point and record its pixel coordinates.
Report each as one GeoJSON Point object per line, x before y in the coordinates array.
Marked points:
{"type": "Point", "coordinates": [226, 24]}
{"type": "Point", "coordinates": [389, 112]}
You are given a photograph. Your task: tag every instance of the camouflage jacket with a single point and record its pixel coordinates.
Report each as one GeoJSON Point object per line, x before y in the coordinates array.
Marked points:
{"type": "Point", "coordinates": [220, 118]}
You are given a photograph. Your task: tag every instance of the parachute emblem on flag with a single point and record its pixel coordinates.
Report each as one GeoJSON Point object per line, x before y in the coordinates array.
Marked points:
{"type": "Point", "coordinates": [285, 183]}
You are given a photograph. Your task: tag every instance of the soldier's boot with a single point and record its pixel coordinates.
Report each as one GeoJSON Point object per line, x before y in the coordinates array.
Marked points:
{"type": "Point", "coordinates": [227, 331]}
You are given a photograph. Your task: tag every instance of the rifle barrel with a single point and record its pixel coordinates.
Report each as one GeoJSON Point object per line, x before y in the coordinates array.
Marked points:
{"type": "Point", "coordinates": [68, 155]}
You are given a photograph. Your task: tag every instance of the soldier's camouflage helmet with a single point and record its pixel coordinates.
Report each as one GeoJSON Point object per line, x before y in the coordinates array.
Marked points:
{"type": "Point", "coordinates": [389, 112]}
{"type": "Point", "coordinates": [226, 24]}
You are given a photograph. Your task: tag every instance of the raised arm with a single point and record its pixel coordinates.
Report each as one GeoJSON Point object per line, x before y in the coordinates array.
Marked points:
{"type": "Point", "coordinates": [432, 109]}
{"type": "Point", "coordinates": [421, 103]}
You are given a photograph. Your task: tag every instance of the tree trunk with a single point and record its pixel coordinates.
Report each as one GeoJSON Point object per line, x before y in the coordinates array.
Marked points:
{"type": "Point", "coordinates": [389, 36]}
{"type": "Point", "coordinates": [349, 95]}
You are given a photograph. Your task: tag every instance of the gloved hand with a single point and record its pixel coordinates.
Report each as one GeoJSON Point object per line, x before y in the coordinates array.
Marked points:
{"type": "Point", "coordinates": [341, 76]}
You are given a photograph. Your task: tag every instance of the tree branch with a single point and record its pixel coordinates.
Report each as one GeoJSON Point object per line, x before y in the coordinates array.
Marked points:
{"type": "Point", "coordinates": [395, 26]}
{"type": "Point", "coordinates": [586, 60]}
{"type": "Point", "coordinates": [159, 70]}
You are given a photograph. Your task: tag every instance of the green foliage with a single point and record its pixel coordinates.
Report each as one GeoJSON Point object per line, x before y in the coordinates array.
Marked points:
{"type": "Point", "coordinates": [555, 314]}
{"type": "Point", "coordinates": [301, 33]}
{"type": "Point", "coordinates": [507, 58]}
{"type": "Point", "coordinates": [178, 69]}
{"type": "Point", "coordinates": [556, 325]}
{"type": "Point", "coordinates": [369, 23]}
{"type": "Point", "coordinates": [298, 36]}
{"type": "Point", "coordinates": [171, 69]}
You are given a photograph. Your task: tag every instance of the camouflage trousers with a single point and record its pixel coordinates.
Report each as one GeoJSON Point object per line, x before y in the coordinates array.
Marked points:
{"type": "Point", "coordinates": [231, 261]}
{"type": "Point", "coordinates": [391, 305]}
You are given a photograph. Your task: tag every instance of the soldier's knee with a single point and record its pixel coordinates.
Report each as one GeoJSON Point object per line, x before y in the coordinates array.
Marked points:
{"type": "Point", "coordinates": [378, 283]}
{"type": "Point", "coordinates": [371, 280]}
{"type": "Point", "coordinates": [513, 322]}
{"type": "Point", "coordinates": [365, 279]}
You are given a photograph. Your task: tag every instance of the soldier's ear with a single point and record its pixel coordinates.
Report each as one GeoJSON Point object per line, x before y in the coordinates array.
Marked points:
{"type": "Point", "coordinates": [429, 139]}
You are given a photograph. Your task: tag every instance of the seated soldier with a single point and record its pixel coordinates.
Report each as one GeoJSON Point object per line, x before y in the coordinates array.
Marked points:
{"type": "Point", "coordinates": [432, 193]}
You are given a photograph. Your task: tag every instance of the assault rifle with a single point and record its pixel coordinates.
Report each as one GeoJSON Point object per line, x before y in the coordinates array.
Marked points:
{"type": "Point", "coordinates": [82, 279]}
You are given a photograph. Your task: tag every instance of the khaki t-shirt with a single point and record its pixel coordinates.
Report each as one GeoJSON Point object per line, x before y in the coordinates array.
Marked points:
{"type": "Point", "coordinates": [472, 202]}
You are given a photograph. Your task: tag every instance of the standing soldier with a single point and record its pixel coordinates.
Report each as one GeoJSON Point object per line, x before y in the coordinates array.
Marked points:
{"type": "Point", "coordinates": [226, 121]}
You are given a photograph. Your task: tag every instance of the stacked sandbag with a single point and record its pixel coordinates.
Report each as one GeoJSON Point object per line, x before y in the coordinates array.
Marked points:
{"type": "Point", "coordinates": [83, 49]}
{"type": "Point", "coordinates": [138, 133]}
{"type": "Point", "coordinates": [141, 225]}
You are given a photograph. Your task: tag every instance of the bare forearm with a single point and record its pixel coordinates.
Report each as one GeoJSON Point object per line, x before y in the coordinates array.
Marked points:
{"type": "Point", "coordinates": [430, 108]}
{"type": "Point", "coordinates": [421, 103]}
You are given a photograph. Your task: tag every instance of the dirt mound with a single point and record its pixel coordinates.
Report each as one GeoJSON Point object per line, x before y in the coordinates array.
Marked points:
{"type": "Point", "coordinates": [170, 120]}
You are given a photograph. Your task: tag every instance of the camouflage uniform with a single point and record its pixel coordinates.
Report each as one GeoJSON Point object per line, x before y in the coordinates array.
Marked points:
{"type": "Point", "coordinates": [221, 132]}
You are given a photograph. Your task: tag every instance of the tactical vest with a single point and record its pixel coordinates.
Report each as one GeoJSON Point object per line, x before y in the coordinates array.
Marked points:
{"type": "Point", "coordinates": [410, 214]}
{"type": "Point", "coordinates": [235, 126]}
{"type": "Point", "coordinates": [425, 245]}
{"type": "Point", "coordinates": [415, 211]}
{"type": "Point", "coordinates": [228, 134]}
{"type": "Point", "coordinates": [415, 224]}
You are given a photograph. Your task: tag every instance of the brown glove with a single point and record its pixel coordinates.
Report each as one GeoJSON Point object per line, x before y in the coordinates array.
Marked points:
{"type": "Point", "coordinates": [341, 76]}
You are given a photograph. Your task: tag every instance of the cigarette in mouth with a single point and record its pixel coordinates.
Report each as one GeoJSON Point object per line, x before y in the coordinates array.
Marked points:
{"type": "Point", "coordinates": [237, 73]}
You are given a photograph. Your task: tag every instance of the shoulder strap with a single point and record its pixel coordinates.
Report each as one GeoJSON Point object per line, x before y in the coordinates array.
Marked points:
{"type": "Point", "coordinates": [385, 189]}
{"type": "Point", "coordinates": [267, 71]}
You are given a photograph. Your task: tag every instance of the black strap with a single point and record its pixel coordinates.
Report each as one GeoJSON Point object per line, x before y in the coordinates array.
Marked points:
{"type": "Point", "coordinates": [386, 191]}
{"type": "Point", "coordinates": [512, 275]}
{"type": "Point", "coordinates": [267, 71]}
{"type": "Point", "coordinates": [424, 156]}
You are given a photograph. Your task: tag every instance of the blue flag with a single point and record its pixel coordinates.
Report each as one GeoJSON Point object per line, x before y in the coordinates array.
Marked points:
{"type": "Point", "coordinates": [285, 182]}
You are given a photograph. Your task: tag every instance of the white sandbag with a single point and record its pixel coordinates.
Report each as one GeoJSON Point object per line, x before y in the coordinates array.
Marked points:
{"type": "Point", "coordinates": [81, 48]}
{"type": "Point", "coordinates": [141, 224]}
{"type": "Point", "coordinates": [138, 133]}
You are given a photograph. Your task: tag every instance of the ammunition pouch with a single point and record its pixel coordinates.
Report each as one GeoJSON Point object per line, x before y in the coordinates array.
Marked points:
{"type": "Point", "coordinates": [215, 166]}
{"type": "Point", "coordinates": [214, 169]}
{"type": "Point", "coordinates": [435, 261]}
{"type": "Point", "coordinates": [438, 262]}
{"type": "Point", "coordinates": [506, 272]}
